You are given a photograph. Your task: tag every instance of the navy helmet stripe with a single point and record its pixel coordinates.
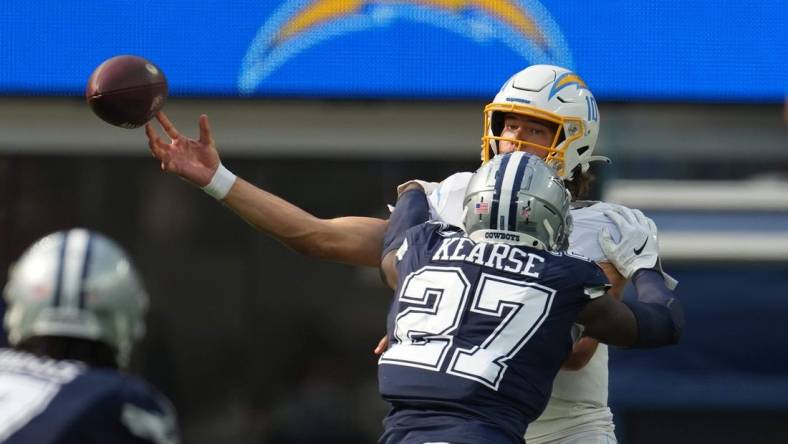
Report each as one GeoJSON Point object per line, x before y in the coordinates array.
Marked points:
{"type": "Point", "coordinates": [59, 276]}
{"type": "Point", "coordinates": [497, 193]}
{"type": "Point", "coordinates": [85, 265]}
{"type": "Point", "coordinates": [518, 182]}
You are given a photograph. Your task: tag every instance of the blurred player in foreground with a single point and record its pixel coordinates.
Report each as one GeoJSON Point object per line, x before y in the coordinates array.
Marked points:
{"type": "Point", "coordinates": [75, 310]}
{"type": "Point", "coordinates": [482, 317]}
{"type": "Point", "coordinates": [545, 110]}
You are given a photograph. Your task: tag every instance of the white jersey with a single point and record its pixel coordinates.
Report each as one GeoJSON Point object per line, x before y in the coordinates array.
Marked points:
{"type": "Point", "coordinates": [578, 402]}
{"type": "Point", "coordinates": [446, 199]}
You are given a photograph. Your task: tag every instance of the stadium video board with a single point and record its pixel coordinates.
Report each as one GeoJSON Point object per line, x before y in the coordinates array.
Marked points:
{"type": "Point", "coordinates": [705, 50]}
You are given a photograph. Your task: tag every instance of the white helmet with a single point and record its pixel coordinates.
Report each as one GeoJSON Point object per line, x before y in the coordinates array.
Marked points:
{"type": "Point", "coordinates": [552, 94]}
{"type": "Point", "coordinates": [76, 284]}
{"type": "Point", "coordinates": [517, 199]}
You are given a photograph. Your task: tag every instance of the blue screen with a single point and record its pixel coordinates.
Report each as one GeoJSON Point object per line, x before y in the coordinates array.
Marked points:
{"type": "Point", "coordinates": [705, 50]}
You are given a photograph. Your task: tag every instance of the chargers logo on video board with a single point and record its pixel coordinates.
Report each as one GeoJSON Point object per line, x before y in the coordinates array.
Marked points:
{"type": "Point", "coordinates": [524, 26]}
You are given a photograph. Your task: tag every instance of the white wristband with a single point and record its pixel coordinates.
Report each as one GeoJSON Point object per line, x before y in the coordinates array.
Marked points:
{"type": "Point", "coordinates": [220, 184]}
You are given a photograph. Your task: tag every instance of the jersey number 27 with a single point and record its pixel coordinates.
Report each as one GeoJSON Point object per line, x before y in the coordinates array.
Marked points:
{"type": "Point", "coordinates": [437, 299]}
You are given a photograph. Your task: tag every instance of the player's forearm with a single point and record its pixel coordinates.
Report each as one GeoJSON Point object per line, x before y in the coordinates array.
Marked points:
{"type": "Point", "coordinates": [659, 315]}
{"type": "Point", "coordinates": [271, 214]}
{"type": "Point", "coordinates": [352, 240]}
{"type": "Point", "coordinates": [609, 321]}
{"type": "Point", "coordinates": [613, 323]}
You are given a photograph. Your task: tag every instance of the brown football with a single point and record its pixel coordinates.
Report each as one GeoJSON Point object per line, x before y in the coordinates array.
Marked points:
{"type": "Point", "coordinates": [126, 91]}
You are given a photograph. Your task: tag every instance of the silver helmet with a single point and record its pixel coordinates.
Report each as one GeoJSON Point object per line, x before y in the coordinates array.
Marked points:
{"type": "Point", "coordinates": [516, 198]}
{"type": "Point", "coordinates": [76, 284]}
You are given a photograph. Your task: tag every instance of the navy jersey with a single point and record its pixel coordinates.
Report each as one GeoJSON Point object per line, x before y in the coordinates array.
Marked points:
{"type": "Point", "coordinates": [477, 333]}
{"type": "Point", "coordinates": [46, 401]}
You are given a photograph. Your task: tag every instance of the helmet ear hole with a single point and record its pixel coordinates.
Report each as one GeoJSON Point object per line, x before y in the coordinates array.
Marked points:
{"type": "Point", "coordinates": [582, 150]}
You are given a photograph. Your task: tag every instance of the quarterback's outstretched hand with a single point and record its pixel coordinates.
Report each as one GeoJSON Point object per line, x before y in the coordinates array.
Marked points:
{"type": "Point", "coordinates": [637, 247]}
{"type": "Point", "coordinates": [194, 160]}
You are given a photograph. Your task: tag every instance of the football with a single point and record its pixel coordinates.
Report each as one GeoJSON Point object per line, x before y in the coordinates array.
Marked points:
{"type": "Point", "coordinates": [126, 91]}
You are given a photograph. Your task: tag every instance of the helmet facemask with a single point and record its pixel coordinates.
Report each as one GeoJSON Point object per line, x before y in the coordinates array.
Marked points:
{"type": "Point", "coordinates": [566, 131]}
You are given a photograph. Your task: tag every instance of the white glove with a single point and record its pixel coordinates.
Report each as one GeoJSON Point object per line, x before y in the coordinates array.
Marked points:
{"type": "Point", "coordinates": [638, 245]}
{"type": "Point", "coordinates": [637, 248]}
